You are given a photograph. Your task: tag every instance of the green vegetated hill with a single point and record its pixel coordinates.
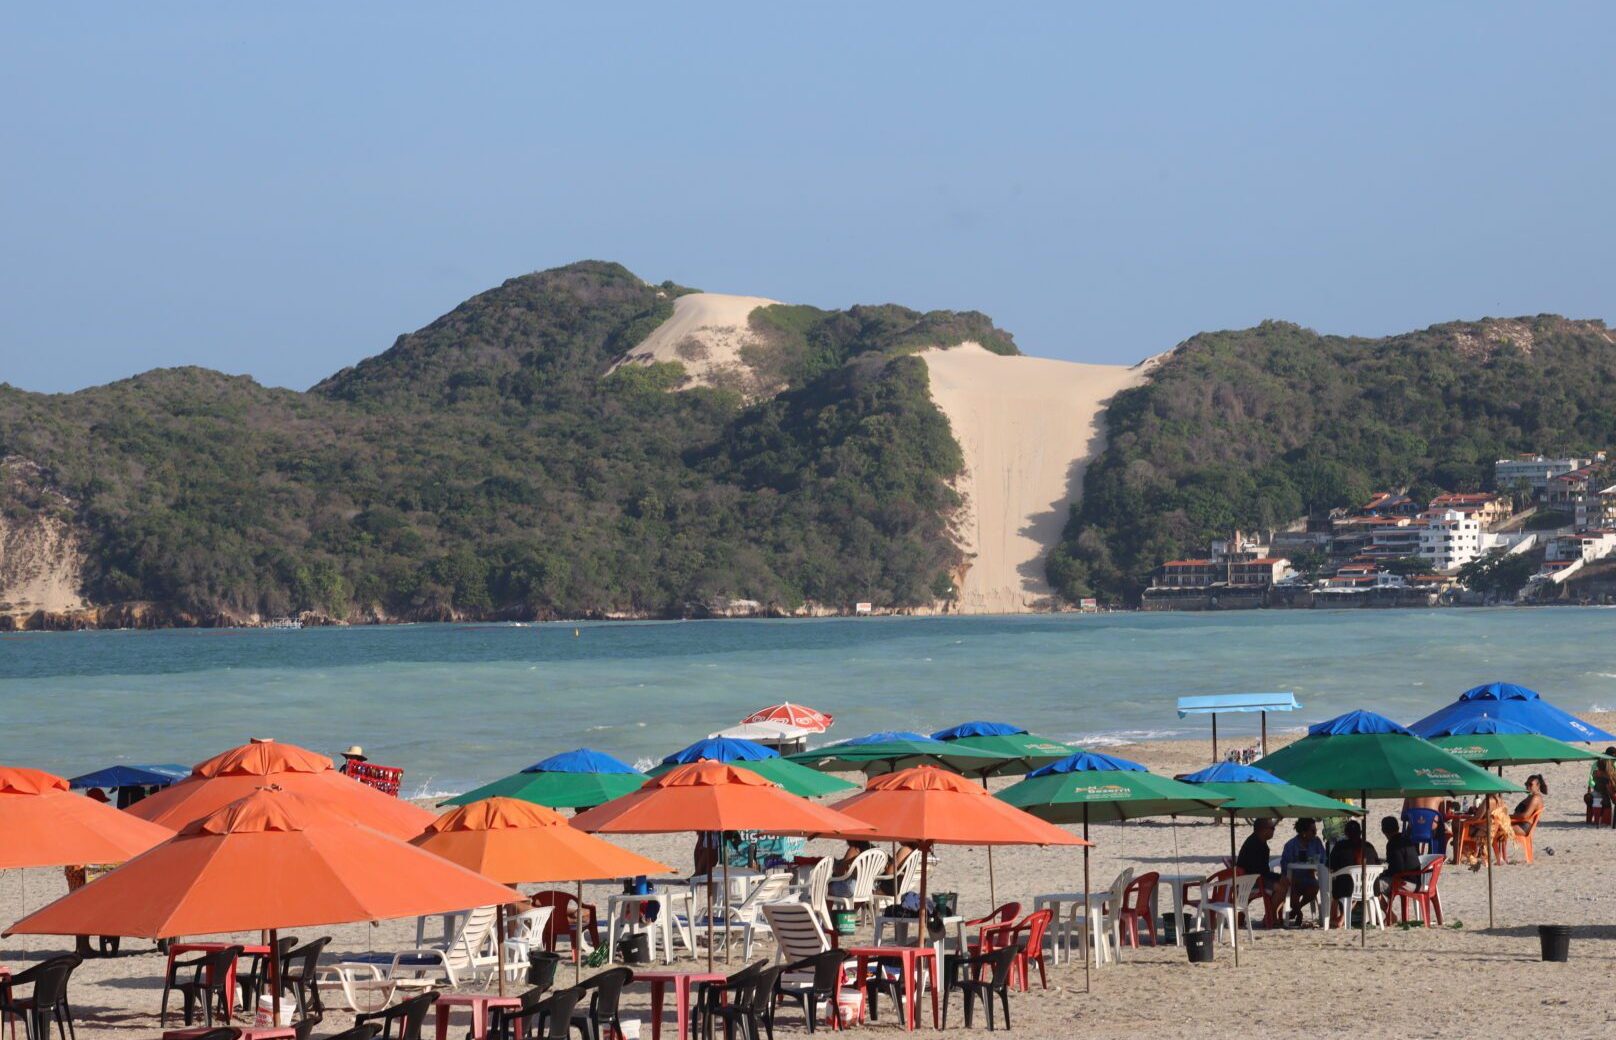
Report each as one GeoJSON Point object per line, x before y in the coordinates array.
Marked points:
{"type": "Point", "coordinates": [491, 465]}
{"type": "Point", "coordinates": [1260, 426]}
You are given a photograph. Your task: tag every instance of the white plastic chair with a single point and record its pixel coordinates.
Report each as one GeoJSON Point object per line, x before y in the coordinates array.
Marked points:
{"type": "Point", "coordinates": [745, 917]}
{"type": "Point", "coordinates": [906, 880]}
{"type": "Point", "coordinates": [1226, 911]}
{"type": "Point", "coordinates": [1344, 904]}
{"type": "Point", "coordinates": [523, 934]}
{"type": "Point", "coordinates": [1097, 926]}
{"type": "Point", "coordinates": [815, 887]}
{"type": "Point", "coordinates": [861, 874]}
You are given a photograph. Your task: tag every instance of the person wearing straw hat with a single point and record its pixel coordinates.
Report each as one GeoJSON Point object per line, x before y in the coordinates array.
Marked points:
{"type": "Point", "coordinates": [350, 758]}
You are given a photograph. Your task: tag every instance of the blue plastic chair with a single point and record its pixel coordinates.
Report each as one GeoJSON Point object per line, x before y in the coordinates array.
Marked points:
{"type": "Point", "coordinates": [1424, 828]}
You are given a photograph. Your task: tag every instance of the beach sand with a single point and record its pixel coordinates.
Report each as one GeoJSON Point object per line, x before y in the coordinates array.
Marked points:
{"type": "Point", "coordinates": [1454, 981]}
{"type": "Point", "coordinates": [1028, 427]}
{"type": "Point", "coordinates": [708, 334]}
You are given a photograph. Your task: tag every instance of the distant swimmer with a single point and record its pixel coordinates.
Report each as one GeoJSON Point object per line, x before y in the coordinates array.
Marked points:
{"type": "Point", "coordinates": [575, 633]}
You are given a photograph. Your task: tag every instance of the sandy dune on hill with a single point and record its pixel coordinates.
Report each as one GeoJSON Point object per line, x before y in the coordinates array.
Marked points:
{"type": "Point", "coordinates": [707, 334]}
{"type": "Point", "coordinates": [1028, 427]}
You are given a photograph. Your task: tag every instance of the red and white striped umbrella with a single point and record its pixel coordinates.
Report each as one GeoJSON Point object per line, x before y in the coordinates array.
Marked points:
{"type": "Point", "coordinates": [793, 715]}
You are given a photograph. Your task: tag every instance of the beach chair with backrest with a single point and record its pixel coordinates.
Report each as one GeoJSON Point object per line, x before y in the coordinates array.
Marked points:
{"type": "Point", "coordinates": [46, 1003]}
{"type": "Point", "coordinates": [402, 1021]}
{"type": "Point", "coordinates": [821, 979]}
{"type": "Point", "coordinates": [1424, 829]}
{"type": "Point", "coordinates": [1004, 913]}
{"type": "Point", "coordinates": [981, 977]}
{"type": "Point", "coordinates": [524, 933]}
{"type": "Point", "coordinates": [860, 877]}
{"type": "Point", "coordinates": [208, 985]}
{"type": "Point", "coordinates": [1524, 827]}
{"type": "Point", "coordinates": [745, 918]}
{"type": "Point", "coordinates": [1345, 903]}
{"type": "Point", "coordinates": [815, 887]}
{"type": "Point", "coordinates": [1419, 889]}
{"type": "Point", "coordinates": [570, 920]}
{"type": "Point", "coordinates": [605, 993]}
{"type": "Point", "coordinates": [1225, 905]}
{"type": "Point", "coordinates": [472, 955]}
{"type": "Point", "coordinates": [1139, 907]}
{"type": "Point", "coordinates": [904, 881]}
{"type": "Point", "coordinates": [1099, 926]}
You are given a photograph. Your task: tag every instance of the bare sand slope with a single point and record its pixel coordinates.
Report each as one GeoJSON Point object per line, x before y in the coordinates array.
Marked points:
{"type": "Point", "coordinates": [40, 565]}
{"type": "Point", "coordinates": [707, 335]}
{"type": "Point", "coordinates": [1027, 426]}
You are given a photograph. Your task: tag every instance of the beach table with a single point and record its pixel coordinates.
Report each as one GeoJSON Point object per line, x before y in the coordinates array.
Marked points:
{"type": "Point", "coordinates": [1061, 925]}
{"type": "Point", "coordinates": [479, 1005]}
{"type": "Point", "coordinates": [1321, 871]}
{"type": "Point", "coordinates": [177, 949]}
{"type": "Point", "coordinates": [741, 882]}
{"type": "Point", "coordinates": [667, 903]}
{"type": "Point", "coordinates": [1178, 885]}
{"type": "Point", "coordinates": [900, 932]}
{"type": "Point", "coordinates": [909, 958]}
{"type": "Point", "coordinates": [450, 922]}
{"type": "Point", "coordinates": [682, 982]}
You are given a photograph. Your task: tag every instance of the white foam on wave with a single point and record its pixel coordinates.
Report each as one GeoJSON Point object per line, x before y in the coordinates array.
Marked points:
{"type": "Point", "coordinates": [645, 764]}
{"type": "Point", "coordinates": [1124, 737]}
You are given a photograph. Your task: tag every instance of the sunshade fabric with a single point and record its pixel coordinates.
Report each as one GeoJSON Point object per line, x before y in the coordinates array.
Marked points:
{"type": "Point", "coordinates": [1017, 750]}
{"type": "Point", "coordinates": [43, 824]}
{"type": "Point", "coordinates": [513, 842]}
{"type": "Point", "coordinates": [714, 796]}
{"type": "Point", "coordinates": [1495, 742]}
{"type": "Point", "coordinates": [272, 859]}
{"type": "Point", "coordinates": [765, 762]}
{"type": "Point", "coordinates": [1363, 754]}
{"type": "Point", "coordinates": [798, 715]}
{"type": "Point", "coordinates": [1254, 793]}
{"type": "Point", "coordinates": [131, 776]}
{"type": "Point", "coordinates": [1511, 703]}
{"type": "Point", "coordinates": [236, 773]}
{"type": "Point", "coordinates": [893, 750]}
{"type": "Point", "coordinates": [1221, 703]}
{"type": "Point", "coordinates": [978, 728]}
{"type": "Point", "coordinates": [1099, 787]}
{"type": "Point", "coordinates": [573, 779]}
{"type": "Point", "coordinates": [931, 806]}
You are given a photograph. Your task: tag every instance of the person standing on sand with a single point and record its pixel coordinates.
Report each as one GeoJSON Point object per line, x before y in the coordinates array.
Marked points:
{"type": "Point", "coordinates": [350, 758]}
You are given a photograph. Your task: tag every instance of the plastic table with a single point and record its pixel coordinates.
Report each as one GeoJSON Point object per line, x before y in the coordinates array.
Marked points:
{"type": "Point", "coordinates": [667, 903]}
{"type": "Point", "coordinates": [681, 981]}
{"type": "Point", "coordinates": [480, 1004]}
{"type": "Point", "coordinates": [1060, 926]}
{"type": "Point", "coordinates": [176, 949]}
{"type": "Point", "coordinates": [910, 958]}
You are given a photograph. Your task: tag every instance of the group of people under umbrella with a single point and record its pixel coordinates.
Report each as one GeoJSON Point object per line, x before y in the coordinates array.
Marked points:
{"type": "Point", "coordinates": [267, 836]}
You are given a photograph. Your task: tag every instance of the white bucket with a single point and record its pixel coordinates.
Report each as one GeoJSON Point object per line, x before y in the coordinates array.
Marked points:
{"type": "Point", "coordinates": [266, 1012]}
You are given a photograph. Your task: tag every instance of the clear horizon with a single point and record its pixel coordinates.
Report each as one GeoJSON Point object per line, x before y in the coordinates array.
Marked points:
{"type": "Point", "coordinates": [281, 193]}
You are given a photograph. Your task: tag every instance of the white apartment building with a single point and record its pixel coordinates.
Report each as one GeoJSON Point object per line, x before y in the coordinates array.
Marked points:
{"type": "Point", "coordinates": [1450, 539]}
{"type": "Point", "coordinates": [1536, 470]}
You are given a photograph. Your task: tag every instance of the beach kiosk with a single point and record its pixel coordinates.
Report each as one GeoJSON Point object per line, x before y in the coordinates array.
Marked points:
{"type": "Point", "coordinates": [1215, 704]}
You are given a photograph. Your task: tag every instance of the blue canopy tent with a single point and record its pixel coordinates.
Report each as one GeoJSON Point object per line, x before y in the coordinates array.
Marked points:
{"type": "Point", "coordinates": [1511, 703]}
{"type": "Point", "coordinates": [130, 782]}
{"type": "Point", "coordinates": [1217, 703]}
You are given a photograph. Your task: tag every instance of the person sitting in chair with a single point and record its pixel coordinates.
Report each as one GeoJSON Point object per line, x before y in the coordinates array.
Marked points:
{"type": "Point", "coordinates": [1304, 848]}
{"type": "Point", "coordinates": [1350, 851]}
{"type": "Point", "coordinates": [1531, 807]}
{"type": "Point", "coordinates": [1253, 859]}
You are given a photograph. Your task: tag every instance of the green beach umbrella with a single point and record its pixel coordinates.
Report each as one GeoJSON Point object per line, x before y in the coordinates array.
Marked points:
{"type": "Point", "coordinates": [1496, 742]}
{"type": "Point", "coordinates": [571, 780]}
{"type": "Point", "coordinates": [765, 762]}
{"type": "Point", "coordinates": [1370, 756]}
{"type": "Point", "coordinates": [1091, 786]}
{"type": "Point", "coordinates": [1255, 794]}
{"type": "Point", "coordinates": [889, 752]}
{"type": "Point", "coordinates": [1016, 750]}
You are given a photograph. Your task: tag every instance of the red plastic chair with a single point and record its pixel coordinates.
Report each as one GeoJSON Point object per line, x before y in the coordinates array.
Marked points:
{"type": "Point", "coordinates": [564, 918]}
{"type": "Point", "coordinates": [1139, 904]}
{"type": "Point", "coordinates": [1031, 928]}
{"type": "Point", "coordinates": [991, 924]}
{"type": "Point", "coordinates": [1420, 888]}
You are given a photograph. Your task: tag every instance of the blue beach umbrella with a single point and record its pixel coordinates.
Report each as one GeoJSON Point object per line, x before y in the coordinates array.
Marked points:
{"type": "Point", "coordinates": [1511, 703]}
{"type": "Point", "coordinates": [764, 761]}
{"type": "Point", "coordinates": [131, 776]}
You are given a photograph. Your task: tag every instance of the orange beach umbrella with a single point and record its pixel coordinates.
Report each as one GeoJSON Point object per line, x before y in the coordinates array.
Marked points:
{"type": "Point", "coordinates": [927, 806]}
{"type": "Point", "coordinates": [43, 824]}
{"type": "Point", "coordinates": [271, 860]}
{"type": "Point", "coordinates": [715, 796]}
{"type": "Point", "coordinates": [513, 841]}
{"type": "Point", "coordinates": [236, 773]}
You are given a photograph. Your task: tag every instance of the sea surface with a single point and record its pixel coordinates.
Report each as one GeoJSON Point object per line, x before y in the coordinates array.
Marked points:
{"type": "Point", "coordinates": [456, 705]}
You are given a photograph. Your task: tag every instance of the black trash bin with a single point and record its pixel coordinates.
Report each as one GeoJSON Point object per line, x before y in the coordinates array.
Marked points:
{"type": "Point", "coordinates": [1198, 944]}
{"type": "Point", "coordinates": [634, 948]}
{"type": "Point", "coordinates": [1556, 941]}
{"type": "Point", "coordinates": [541, 968]}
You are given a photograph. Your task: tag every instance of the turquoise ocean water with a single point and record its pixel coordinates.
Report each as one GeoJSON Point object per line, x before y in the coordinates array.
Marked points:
{"type": "Point", "coordinates": [460, 704]}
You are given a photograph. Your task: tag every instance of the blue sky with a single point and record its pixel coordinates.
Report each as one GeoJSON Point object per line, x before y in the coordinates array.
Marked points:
{"type": "Point", "coordinates": [282, 189]}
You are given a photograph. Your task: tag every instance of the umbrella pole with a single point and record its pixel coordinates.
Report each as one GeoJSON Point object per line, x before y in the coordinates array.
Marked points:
{"type": "Point", "coordinates": [499, 937]}
{"type": "Point", "coordinates": [724, 861]}
{"type": "Point", "coordinates": [1488, 852]}
{"type": "Point", "coordinates": [1088, 936]}
{"type": "Point", "coordinates": [274, 980]}
{"type": "Point", "coordinates": [1234, 933]}
{"type": "Point", "coordinates": [925, 922]}
{"type": "Point", "coordinates": [709, 917]}
{"type": "Point", "coordinates": [577, 940]}
{"type": "Point", "coordinates": [993, 897]}
{"type": "Point", "coordinates": [1363, 882]}
{"type": "Point", "coordinates": [1214, 736]}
